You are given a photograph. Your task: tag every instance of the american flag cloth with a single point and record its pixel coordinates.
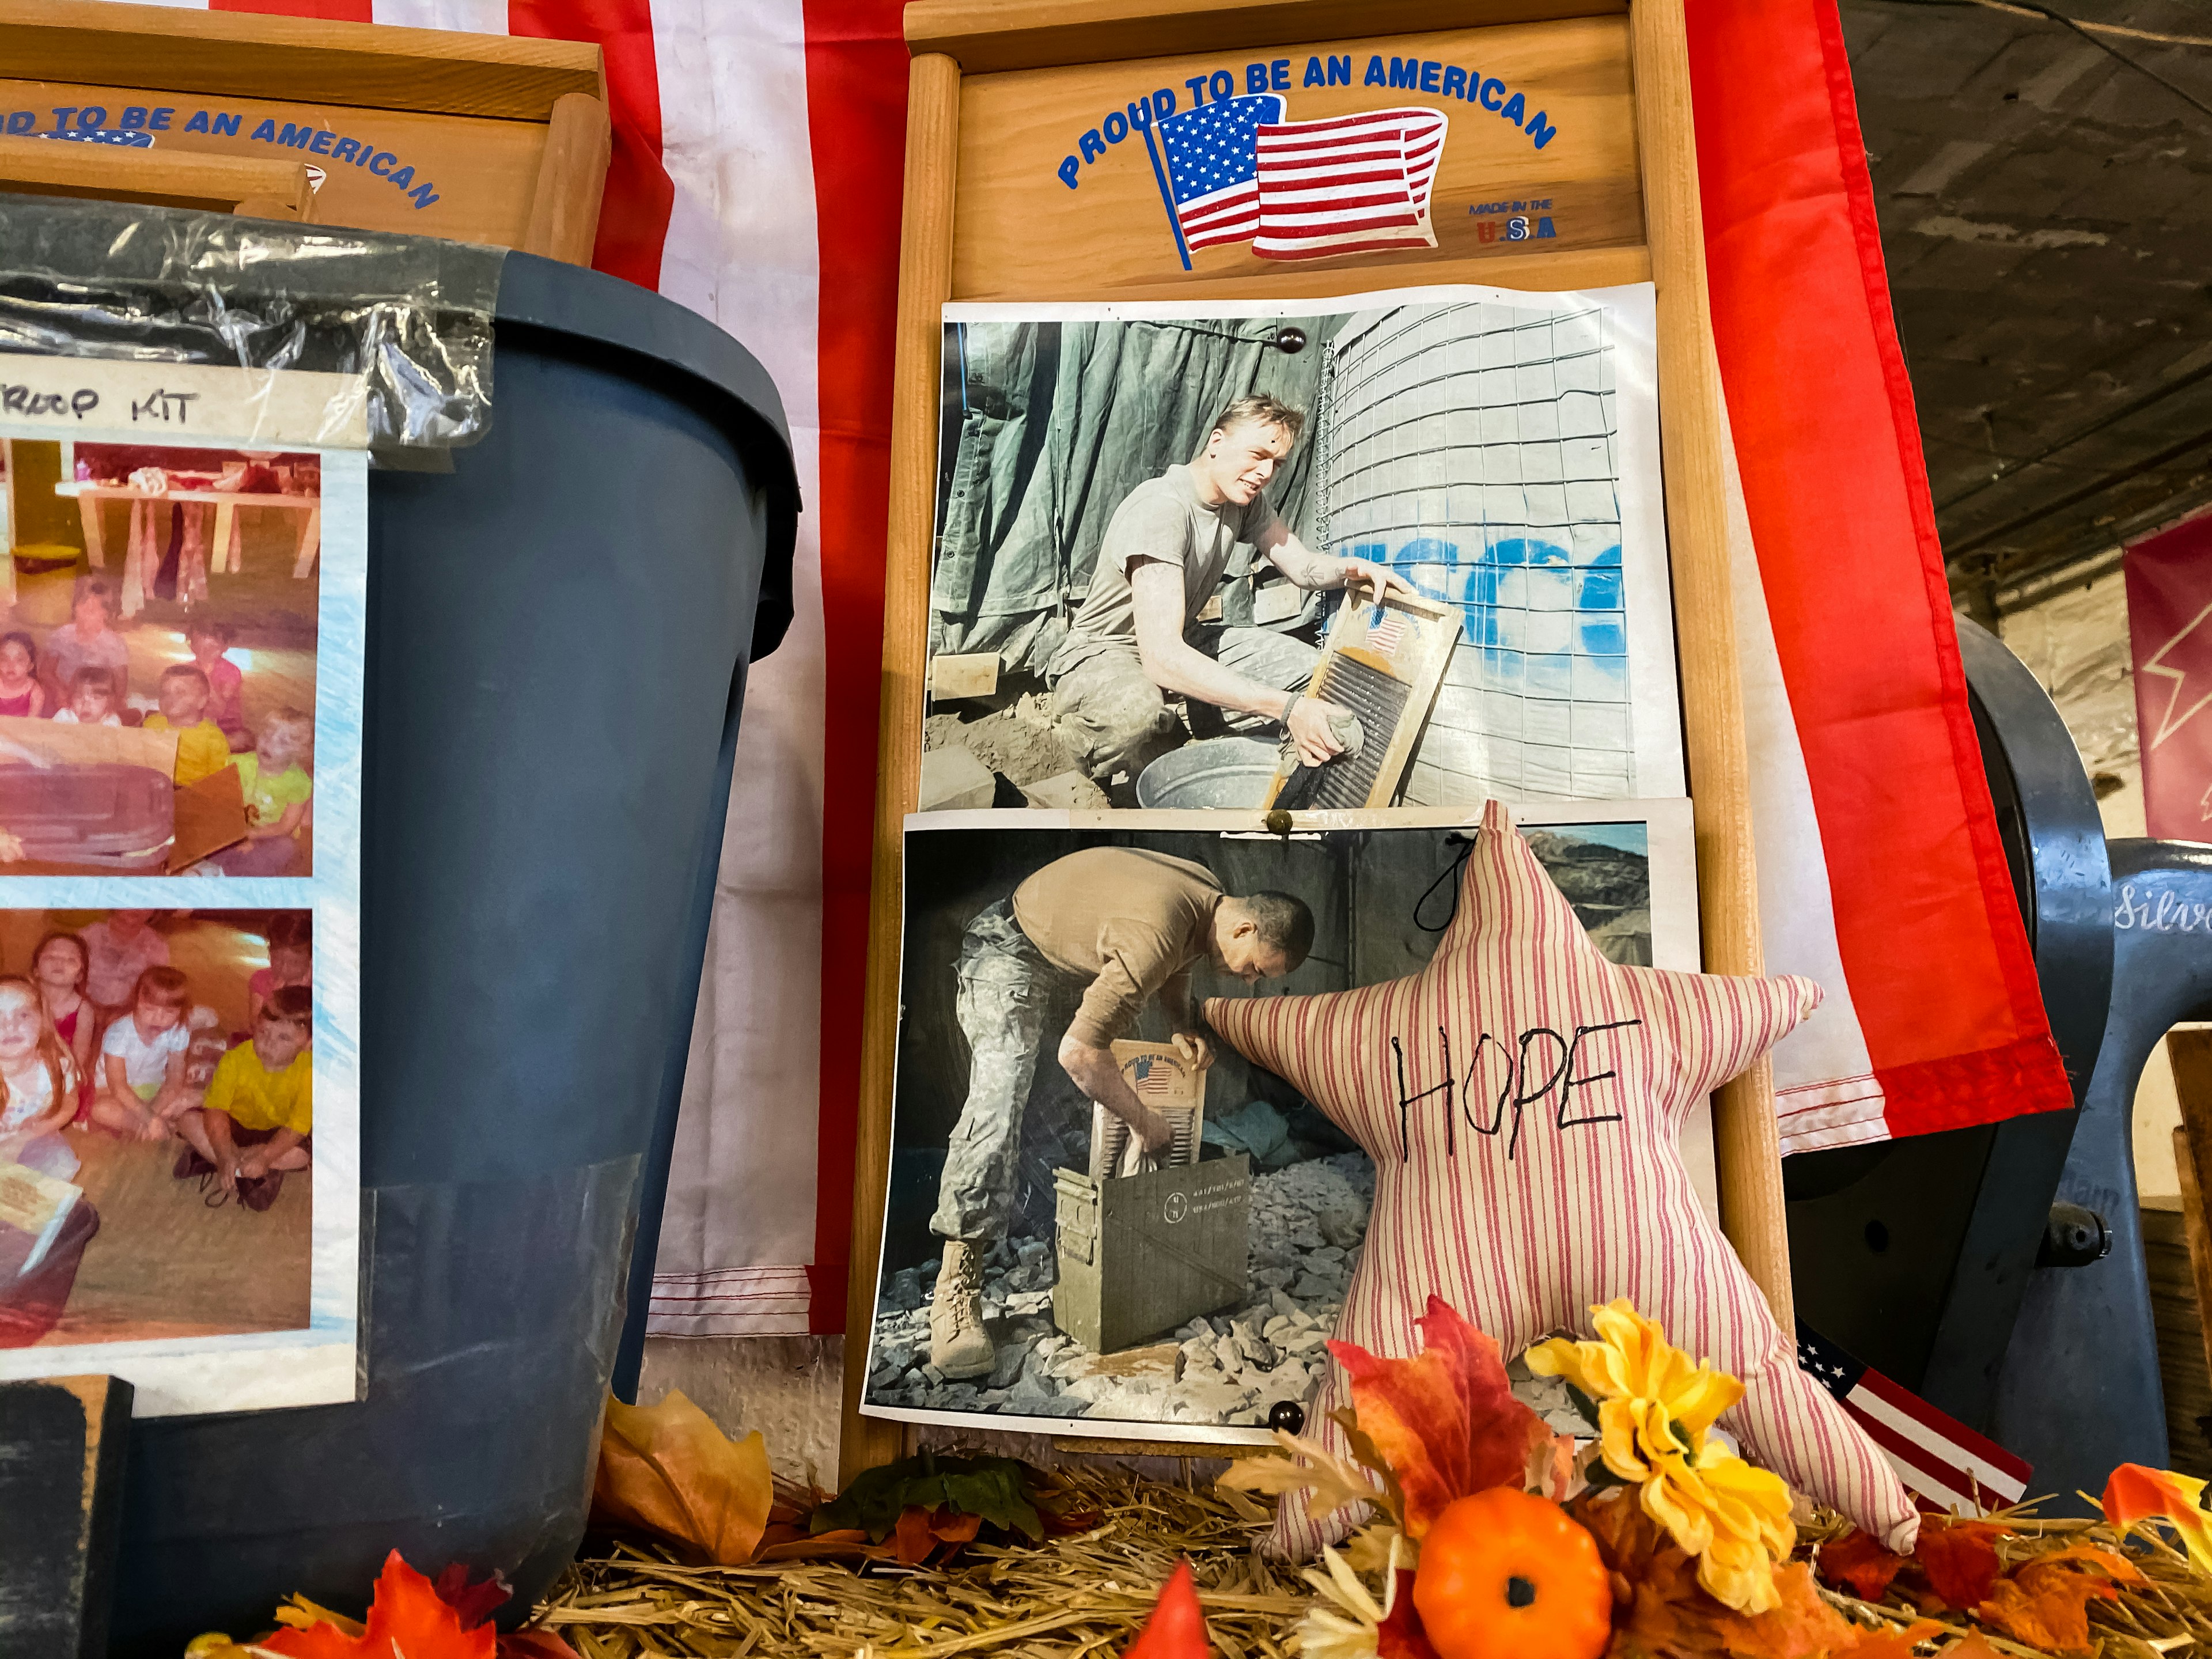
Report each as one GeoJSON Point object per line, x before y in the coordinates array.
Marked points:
{"type": "Point", "coordinates": [1213, 167]}
{"type": "Point", "coordinates": [1346, 185]}
{"type": "Point", "coordinates": [1385, 629]}
{"type": "Point", "coordinates": [1937, 1456]}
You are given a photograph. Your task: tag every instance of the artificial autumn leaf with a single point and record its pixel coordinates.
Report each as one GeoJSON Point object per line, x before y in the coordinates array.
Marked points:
{"type": "Point", "coordinates": [297, 1611]}
{"type": "Point", "coordinates": [1960, 1558]}
{"type": "Point", "coordinates": [1330, 1482]}
{"type": "Point", "coordinates": [1858, 1563]}
{"type": "Point", "coordinates": [1446, 1420]}
{"type": "Point", "coordinates": [2135, 1492]}
{"type": "Point", "coordinates": [1662, 1612]}
{"type": "Point", "coordinates": [405, 1617]}
{"type": "Point", "coordinates": [1176, 1629]}
{"type": "Point", "coordinates": [995, 1488]}
{"type": "Point", "coordinates": [1891, 1643]}
{"type": "Point", "coordinates": [2045, 1602]}
{"type": "Point", "coordinates": [1399, 1636]}
{"type": "Point", "coordinates": [920, 1531]}
{"type": "Point", "coordinates": [667, 1469]}
{"type": "Point", "coordinates": [475, 1602]}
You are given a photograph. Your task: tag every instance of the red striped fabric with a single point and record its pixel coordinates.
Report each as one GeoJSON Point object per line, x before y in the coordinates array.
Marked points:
{"type": "Point", "coordinates": [856, 71]}
{"type": "Point", "coordinates": [1523, 1098]}
{"type": "Point", "coordinates": [633, 213]}
{"type": "Point", "coordinates": [1926, 924]}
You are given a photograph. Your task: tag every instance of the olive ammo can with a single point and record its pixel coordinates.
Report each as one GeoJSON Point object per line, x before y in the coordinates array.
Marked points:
{"type": "Point", "coordinates": [1143, 1254]}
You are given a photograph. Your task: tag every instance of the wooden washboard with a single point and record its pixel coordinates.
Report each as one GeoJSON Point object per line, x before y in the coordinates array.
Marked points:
{"type": "Point", "coordinates": [1384, 662]}
{"type": "Point", "coordinates": [1166, 1083]}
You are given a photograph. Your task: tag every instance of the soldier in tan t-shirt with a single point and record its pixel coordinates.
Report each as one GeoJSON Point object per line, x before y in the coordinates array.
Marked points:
{"type": "Point", "coordinates": [1136, 639]}
{"type": "Point", "coordinates": [1122, 927]}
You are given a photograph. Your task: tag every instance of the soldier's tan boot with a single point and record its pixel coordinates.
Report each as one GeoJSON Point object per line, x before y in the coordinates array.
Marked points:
{"type": "Point", "coordinates": [959, 1344]}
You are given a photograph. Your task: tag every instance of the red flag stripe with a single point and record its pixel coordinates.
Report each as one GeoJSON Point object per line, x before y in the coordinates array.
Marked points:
{"type": "Point", "coordinates": [856, 72]}
{"type": "Point", "coordinates": [1926, 925]}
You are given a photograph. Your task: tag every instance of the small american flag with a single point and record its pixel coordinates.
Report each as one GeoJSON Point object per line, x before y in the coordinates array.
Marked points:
{"type": "Point", "coordinates": [1154, 1074]}
{"type": "Point", "coordinates": [1343, 186]}
{"type": "Point", "coordinates": [1937, 1456]}
{"type": "Point", "coordinates": [1385, 629]}
{"type": "Point", "coordinates": [1212, 169]}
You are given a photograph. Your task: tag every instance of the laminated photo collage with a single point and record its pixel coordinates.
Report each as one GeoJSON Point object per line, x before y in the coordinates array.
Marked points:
{"type": "Point", "coordinates": [180, 693]}
{"type": "Point", "coordinates": [1239, 615]}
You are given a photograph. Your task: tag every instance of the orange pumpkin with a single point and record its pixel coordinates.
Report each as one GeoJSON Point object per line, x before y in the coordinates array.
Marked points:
{"type": "Point", "coordinates": [1506, 1575]}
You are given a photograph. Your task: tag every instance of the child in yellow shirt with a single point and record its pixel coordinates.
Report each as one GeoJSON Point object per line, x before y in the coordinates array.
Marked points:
{"type": "Point", "coordinates": [202, 750]}
{"type": "Point", "coordinates": [257, 1118]}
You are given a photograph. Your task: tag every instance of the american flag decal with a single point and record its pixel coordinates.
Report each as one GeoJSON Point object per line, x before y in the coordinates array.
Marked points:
{"type": "Point", "coordinates": [1936, 1456]}
{"type": "Point", "coordinates": [1154, 1074]}
{"type": "Point", "coordinates": [1212, 169]}
{"type": "Point", "coordinates": [1347, 186]}
{"type": "Point", "coordinates": [1236, 171]}
{"type": "Point", "coordinates": [1385, 629]}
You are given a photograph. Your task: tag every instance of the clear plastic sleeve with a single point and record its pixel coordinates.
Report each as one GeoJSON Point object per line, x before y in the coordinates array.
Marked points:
{"type": "Point", "coordinates": [409, 317]}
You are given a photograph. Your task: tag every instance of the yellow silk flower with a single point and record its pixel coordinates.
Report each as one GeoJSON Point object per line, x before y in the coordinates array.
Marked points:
{"type": "Point", "coordinates": [1654, 1406]}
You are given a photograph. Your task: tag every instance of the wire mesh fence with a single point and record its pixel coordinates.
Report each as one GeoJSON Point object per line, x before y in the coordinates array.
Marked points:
{"type": "Point", "coordinates": [1472, 448]}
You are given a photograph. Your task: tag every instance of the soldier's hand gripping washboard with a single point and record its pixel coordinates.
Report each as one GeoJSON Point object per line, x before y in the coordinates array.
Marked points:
{"type": "Point", "coordinates": [1124, 926]}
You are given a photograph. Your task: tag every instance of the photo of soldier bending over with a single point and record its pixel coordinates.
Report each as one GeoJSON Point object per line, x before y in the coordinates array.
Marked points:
{"type": "Point", "coordinates": [1118, 928]}
{"type": "Point", "coordinates": [1097, 1212]}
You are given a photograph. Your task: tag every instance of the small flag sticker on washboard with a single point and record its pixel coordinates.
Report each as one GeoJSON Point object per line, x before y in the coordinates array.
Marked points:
{"type": "Point", "coordinates": [1156, 1075]}
{"type": "Point", "coordinates": [1385, 629]}
{"type": "Point", "coordinates": [1384, 663]}
{"type": "Point", "coordinates": [1936, 1456]}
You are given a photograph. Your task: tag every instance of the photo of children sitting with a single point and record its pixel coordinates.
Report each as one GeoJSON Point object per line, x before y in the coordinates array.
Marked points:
{"type": "Point", "coordinates": [128, 617]}
{"type": "Point", "coordinates": [156, 1076]}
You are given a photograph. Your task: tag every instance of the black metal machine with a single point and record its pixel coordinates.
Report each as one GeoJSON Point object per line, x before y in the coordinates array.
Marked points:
{"type": "Point", "coordinates": [1998, 1271]}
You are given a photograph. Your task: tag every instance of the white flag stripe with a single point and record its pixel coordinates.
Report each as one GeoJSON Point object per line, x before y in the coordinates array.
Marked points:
{"type": "Point", "coordinates": [1919, 1480]}
{"type": "Point", "coordinates": [742, 1187]}
{"type": "Point", "coordinates": [1824, 1063]}
{"type": "Point", "coordinates": [2006, 1485]}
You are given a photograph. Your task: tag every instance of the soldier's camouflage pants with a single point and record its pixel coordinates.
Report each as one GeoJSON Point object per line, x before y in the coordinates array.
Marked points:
{"type": "Point", "coordinates": [1009, 998]}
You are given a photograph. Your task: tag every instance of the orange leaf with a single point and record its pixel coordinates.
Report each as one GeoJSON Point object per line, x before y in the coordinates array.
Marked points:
{"type": "Point", "coordinates": [2046, 1603]}
{"type": "Point", "coordinates": [1446, 1421]}
{"type": "Point", "coordinates": [666, 1468]}
{"type": "Point", "coordinates": [1859, 1564]}
{"type": "Point", "coordinates": [1890, 1644]}
{"type": "Point", "coordinates": [1176, 1629]}
{"type": "Point", "coordinates": [918, 1531]}
{"type": "Point", "coordinates": [1961, 1557]}
{"type": "Point", "coordinates": [1662, 1612]}
{"type": "Point", "coordinates": [2136, 1493]}
{"type": "Point", "coordinates": [405, 1617]}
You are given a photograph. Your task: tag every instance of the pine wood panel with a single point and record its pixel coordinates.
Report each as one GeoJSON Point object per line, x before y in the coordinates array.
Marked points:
{"type": "Point", "coordinates": [572, 176]}
{"type": "Point", "coordinates": [932, 120]}
{"type": "Point", "coordinates": [513, 77]}
{"type": "Point", "coordinates": [2176, 1312]}
{"type": "Point", "coordinates": [213, 183]}
{"type": "Point", "coordinates": [1745, 1146]}
{"type": "Point", "coordinates": [1021, 233]}
{"type": "Point", "coordinates": [990, 35]}
{"type": "Point", "coordinates": [483, 174]}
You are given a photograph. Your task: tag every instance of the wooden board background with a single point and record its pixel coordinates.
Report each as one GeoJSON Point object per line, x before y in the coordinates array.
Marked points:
{"type": "Point", "coordinates": [973, 229]}
{"type": "Point", "coordinates": [485, 170]}
{"type": "Point", "coordinates": [1020, 233]}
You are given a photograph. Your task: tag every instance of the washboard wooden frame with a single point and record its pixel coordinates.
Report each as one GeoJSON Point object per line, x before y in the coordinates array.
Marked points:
{"type": "Point", "coordinates": [977, 59]}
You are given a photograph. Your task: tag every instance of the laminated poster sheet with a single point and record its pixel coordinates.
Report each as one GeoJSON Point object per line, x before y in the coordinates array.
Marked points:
{"type": "Point", "coordinates": [181, 614]}
{"type": "Point", "coordinates": [1183, 1297]}
{"type": "Point", "coordinates": [1496, 450]}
